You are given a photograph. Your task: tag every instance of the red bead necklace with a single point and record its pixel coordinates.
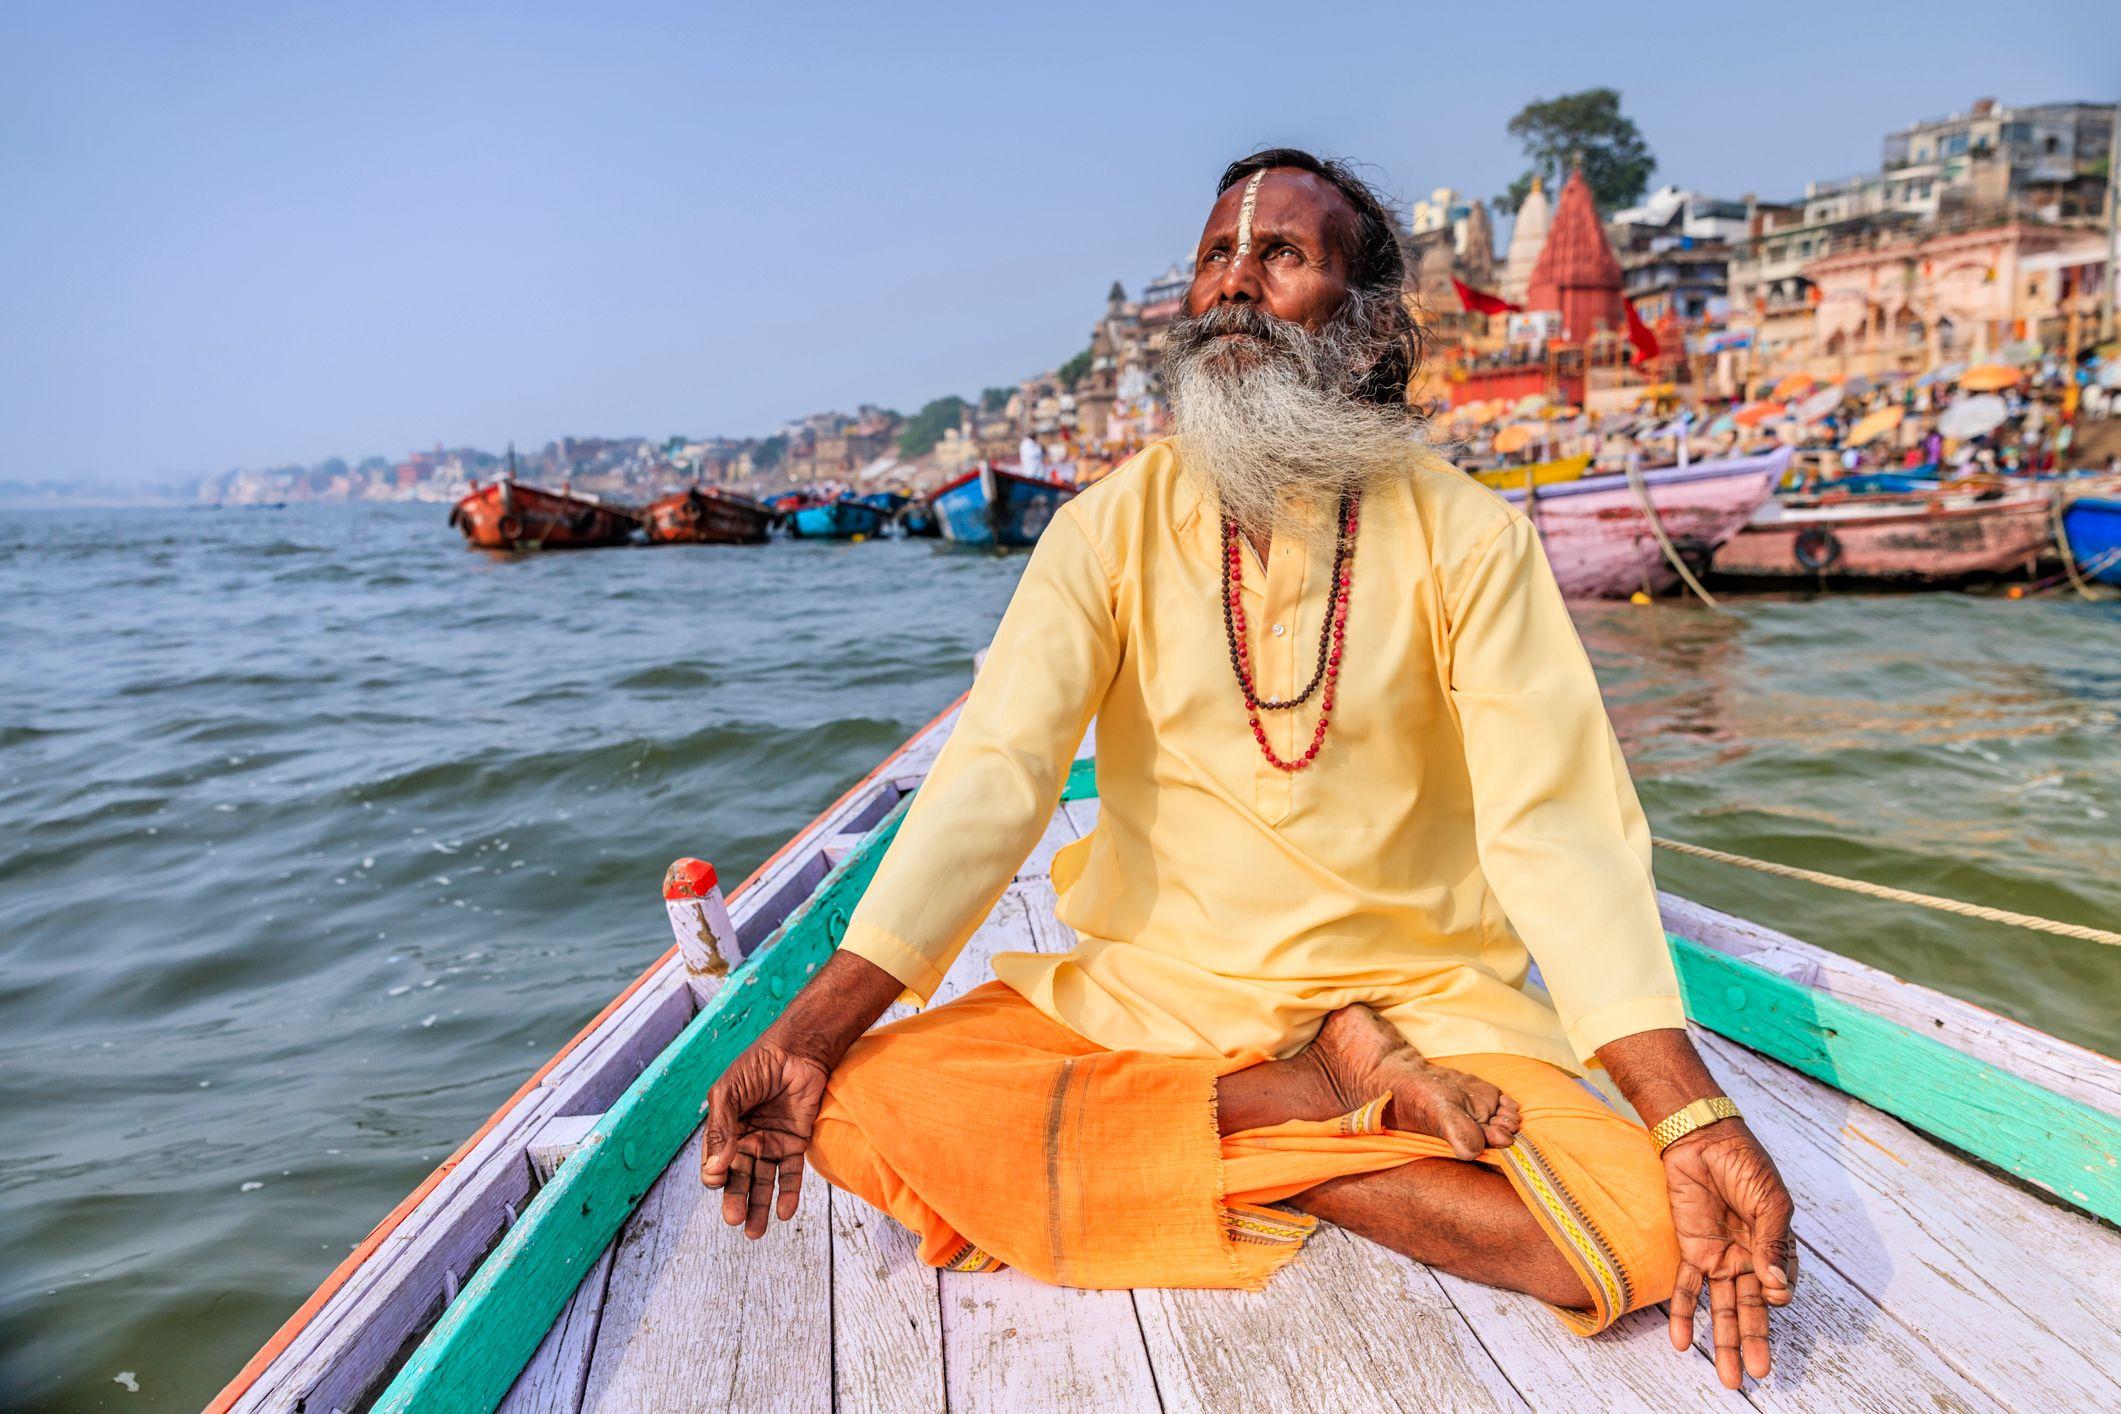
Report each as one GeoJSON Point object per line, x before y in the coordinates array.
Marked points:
{"type": "Point", "coordinates": [1332, 636]}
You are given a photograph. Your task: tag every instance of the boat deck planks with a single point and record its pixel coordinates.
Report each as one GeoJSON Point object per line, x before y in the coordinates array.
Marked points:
{"type": "Point", "coordinates": [887, 1316]}
{"type": "Point", "coordinates": [2014, 1292]}
{"type": "Point", "coordinates": [697, 1317]}
{"type": "Point", "coordinates": [1348, 1325]}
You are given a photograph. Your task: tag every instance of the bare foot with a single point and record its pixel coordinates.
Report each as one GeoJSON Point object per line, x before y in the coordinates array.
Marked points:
{"type": "Point", "coordinates": [1364, 1056]}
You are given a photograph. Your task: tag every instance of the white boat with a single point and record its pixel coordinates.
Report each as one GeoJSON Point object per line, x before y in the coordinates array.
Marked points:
{"type": "Point", "coordinates": [1955, 1174]}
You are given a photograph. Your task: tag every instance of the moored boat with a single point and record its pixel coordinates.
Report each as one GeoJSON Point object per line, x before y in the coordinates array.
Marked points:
{"type": "Point", "coordinates": [708, 515]}
{"type": "Point", "coordinates": [919, 519]}
{"type": "Point", "coordinates": [1602, 546]}
{"type": "Point", "coordinates": [2093, 525]}
{"type": "Point", "coordinates": [511, 515]}
{"type": "Point", "coordinates": [1940, 538]}
{"type": "Point", "coordinates": [991, 506]}
{"type": "Point", "coordinates": [567, 1258]}
{"type": "Point", "coordinates": [1871, 483]}
{"type": "Point", "coordinates": [889, 502]}
{"type": "Point", "coordinates": [842, 519]}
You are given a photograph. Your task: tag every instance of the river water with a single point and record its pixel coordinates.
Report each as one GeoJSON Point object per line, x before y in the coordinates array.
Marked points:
{"type": "Point", "coordinates": [319, 832]}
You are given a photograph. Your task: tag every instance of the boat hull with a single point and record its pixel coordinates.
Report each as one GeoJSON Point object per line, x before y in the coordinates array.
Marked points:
{"type": "Point", "coordinates": [509, 515]}
{"type": "Point", "coordinates": [919, 519]}
{"type": "Point", "coordinates": [842, 520]}
{"type": "Point", "coordinates": [1904, 540]}
{"type": "Point", "coordinates": [2093, 525]}
{"type": "Point", "coordinates": [1600, 544]}
{"type": "Point", "coordinates": [992, 508]}
{"type": "Point", "coordinates": [707, 515]}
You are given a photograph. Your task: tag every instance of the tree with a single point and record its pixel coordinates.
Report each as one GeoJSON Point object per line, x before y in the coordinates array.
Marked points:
{"type": "Point", "coordinates": [1071, 372]}
{"type": "Point", "coordinates": [926, 427]}
{"type": "Point", "coordinates": [1586, 129]}
{"type": "Point", "coordinates": [767, 454]}
{"type": "Point", "coordinates": [995, 399]}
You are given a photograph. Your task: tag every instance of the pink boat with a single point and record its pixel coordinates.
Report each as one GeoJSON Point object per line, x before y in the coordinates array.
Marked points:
{"type": "Point", "coordinates": [1601, 545]}
{"type": "Point", "coordinates": [1932, 539]}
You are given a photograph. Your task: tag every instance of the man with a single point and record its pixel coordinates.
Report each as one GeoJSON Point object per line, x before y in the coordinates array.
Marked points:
{"type": "Point", "coordinates": [1353, 764]}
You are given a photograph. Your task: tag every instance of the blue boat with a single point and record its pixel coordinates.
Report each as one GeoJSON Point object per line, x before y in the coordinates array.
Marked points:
{"type": "Point", "coordinates": [1870, 483]}
{"type": "Point", "coordinates": [919, 519]}
{"type": "Point", "coordinates": [2093, 524]}
{"type": "Point", "coordinates": [838, 520]}
{"type": "Point", "coordinates": [991, 507]}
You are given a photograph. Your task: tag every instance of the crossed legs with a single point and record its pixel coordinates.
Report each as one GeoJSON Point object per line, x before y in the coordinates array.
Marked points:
{"type": "Point", "coordinates": [1453, 1214]}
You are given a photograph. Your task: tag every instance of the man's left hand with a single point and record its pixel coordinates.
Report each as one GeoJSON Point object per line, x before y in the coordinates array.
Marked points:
{"type": "Point", "coordinates": [1732, 1215]}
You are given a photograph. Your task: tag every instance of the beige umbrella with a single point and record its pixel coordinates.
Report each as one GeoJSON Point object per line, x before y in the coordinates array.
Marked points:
{"type": "Point", "coordinates": [1515, 438]}
{"type": "Point", "coordinates": [1874, 426]}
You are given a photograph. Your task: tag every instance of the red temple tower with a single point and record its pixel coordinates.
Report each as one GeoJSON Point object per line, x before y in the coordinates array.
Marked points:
{"type": "Point", "coordinates": [1577, 273]}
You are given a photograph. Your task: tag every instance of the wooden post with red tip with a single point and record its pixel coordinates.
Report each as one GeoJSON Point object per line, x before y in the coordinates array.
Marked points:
{"type": "Point", "coordinates": [692, 895]}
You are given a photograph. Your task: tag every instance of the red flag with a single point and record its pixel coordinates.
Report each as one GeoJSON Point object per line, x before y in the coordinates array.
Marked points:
{"type": "Point", "coordinates": [1645, 342]}
{"type": "Point", "coordinates": [1474, 301]}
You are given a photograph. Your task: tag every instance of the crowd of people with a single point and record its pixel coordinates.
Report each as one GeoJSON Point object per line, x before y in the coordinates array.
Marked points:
{"type": "Point", "coordinates": [2024, 417]}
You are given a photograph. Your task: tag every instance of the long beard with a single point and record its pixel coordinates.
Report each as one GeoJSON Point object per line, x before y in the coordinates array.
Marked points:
{"type": "Point", "coordinates": [1267, 420]}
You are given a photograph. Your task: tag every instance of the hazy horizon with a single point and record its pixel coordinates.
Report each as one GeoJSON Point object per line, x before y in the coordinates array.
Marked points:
{"type": "Point", "coordinates": [238, 237]}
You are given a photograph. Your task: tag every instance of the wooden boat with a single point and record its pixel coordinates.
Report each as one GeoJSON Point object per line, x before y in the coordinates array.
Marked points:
{"type": "Point", "coordinates": [889, 502]}
{"type": "Point", "coordinates": [843, 519]}
{"type": "Point", "coordinates": [1600, 543]}
{"type": "Point", "coordinates": [904, 515]}
{"type": "Point", "coordinates": [1955, 1172]}
{"type": "Point", "coordinates": [1870, 483]}
{"type": "Point", "coordinates": [708, 515]}
{"type": "Point", "coordinates": [1940, 538]}
{"type": "Point", "coordinates": [2093, 525]}
{"type": "Point", "coordinates": [1502, 478]}
{"type": "Point", "coordinates": [993, 506]}
{"type": "Point", "coordinates": [919, 519]}
{"type": "Point", "coordinates": [511, 515]}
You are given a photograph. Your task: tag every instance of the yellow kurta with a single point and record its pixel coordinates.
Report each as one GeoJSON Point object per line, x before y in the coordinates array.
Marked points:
{"type": "Point", "coordinates": [1470, 802]}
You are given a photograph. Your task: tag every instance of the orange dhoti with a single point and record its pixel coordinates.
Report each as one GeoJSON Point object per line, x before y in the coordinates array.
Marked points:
{"type": "Point", "coordinates": [1004, 1139]}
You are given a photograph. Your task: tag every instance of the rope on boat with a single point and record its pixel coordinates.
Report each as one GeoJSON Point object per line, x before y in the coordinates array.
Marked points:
{"type": "Point", "coordinates": [2069, 555]}
{"type": "Point", "coordinates": [1664, 543]}
{"type": "Point", "coordinates": [1860, 886]}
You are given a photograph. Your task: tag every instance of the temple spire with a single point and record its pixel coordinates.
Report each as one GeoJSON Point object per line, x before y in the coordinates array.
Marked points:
{"type": "Point", "coordinates": [1577, 275]}
{"type": "Point", "coordinates": [1527, 235]}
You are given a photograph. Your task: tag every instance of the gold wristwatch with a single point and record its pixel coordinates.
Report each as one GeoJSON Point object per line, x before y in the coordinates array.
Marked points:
{"type": "Point", "coordinates": [1682, 1122]}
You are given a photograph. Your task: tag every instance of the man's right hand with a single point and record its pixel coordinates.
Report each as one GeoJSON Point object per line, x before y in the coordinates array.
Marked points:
{"type": "Point", "coordinates": [759, 1118]}
{"type": "Point", "coordinates": [761, 1113]}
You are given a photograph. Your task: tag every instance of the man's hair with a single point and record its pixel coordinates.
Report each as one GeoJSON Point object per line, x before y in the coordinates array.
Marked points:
{"type": "Point", "coordinates": [1377, 267]}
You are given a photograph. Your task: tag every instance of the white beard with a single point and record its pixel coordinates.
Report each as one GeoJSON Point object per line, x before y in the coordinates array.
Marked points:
{"type": "Point", "coordinates": [1263, 423]}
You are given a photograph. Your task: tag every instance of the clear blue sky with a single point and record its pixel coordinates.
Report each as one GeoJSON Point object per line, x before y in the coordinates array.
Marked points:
{"type": "Point", "coordinates": [237, 235]}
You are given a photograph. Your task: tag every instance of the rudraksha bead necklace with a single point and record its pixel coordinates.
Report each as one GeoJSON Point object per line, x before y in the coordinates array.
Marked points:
{"type": "Point", "coordinates": [1332, 635]}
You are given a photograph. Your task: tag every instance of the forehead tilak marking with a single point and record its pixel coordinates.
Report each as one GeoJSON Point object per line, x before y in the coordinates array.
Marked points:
{"type": "Point", "coordinates": [1244, 215]}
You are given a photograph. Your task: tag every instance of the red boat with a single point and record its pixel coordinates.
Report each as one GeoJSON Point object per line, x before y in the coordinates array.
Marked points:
{"type": "Point", "coordinates": [1941, 538]}
{"type": "Point", "coordinates": [708, 515]}
{"type": "Point", "coordinates": [509, 515]}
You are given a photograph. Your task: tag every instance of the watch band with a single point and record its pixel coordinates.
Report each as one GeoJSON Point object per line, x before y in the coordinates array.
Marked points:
{"type": "Point", "coordinates": [1682, 1122]}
